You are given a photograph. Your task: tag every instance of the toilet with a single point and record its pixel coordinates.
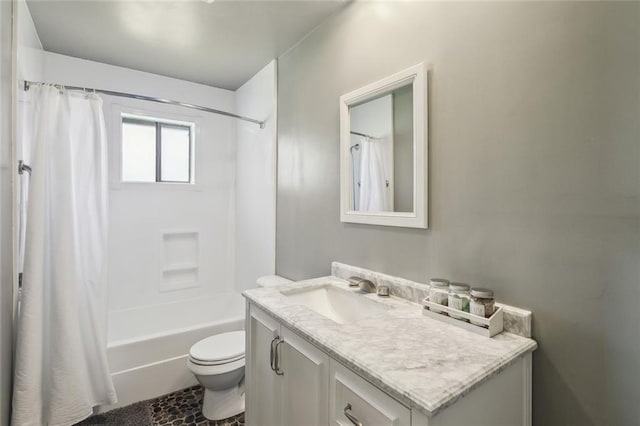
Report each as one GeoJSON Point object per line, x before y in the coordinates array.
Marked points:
{"type": "Point", "coordinates": [218, 364]}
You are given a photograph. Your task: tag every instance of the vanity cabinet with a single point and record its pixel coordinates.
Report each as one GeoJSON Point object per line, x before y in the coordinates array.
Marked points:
{"type": "Point", "coordinates": [287, 377]}
{"type": "Point", "coordinates": [291, 382]}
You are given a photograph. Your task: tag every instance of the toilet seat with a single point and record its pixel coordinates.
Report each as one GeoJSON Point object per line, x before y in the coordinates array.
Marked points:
{"type": "Point", "coordinates": [216, 362]}
{"type": "Point", "coordinates": [224, 348]}
{"type": "Point", "coordinates": [208, 370]}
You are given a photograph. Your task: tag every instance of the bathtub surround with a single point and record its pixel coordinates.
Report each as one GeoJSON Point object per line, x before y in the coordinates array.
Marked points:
{"type": "Point", "coordinates": [534, 174]}
{"type": "Point", "coordinates": [205, 208]}
{"type": "Point", "coordinates": [255, 181]}
{"type": "Point", "coordinates": [232, 204]}
{"type": "Point", "coordinates": [157, 321]}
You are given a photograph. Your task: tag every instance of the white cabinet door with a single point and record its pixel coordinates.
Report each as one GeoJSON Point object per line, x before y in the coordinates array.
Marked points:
{"type": "Point", "coordinates": [351, 395]}
{"type": "Point", "coordinates": [305, 383]}
{"type": "Point", "coordinates": [263, 385]}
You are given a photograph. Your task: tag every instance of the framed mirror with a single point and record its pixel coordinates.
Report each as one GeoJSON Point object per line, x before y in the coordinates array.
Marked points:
{"type": "Point", "coordinates": [383, 151]}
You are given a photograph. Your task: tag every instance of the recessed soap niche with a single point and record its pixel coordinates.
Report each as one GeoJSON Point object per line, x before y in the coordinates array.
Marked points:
{"type": "Point", "coordinates": [180, 263]}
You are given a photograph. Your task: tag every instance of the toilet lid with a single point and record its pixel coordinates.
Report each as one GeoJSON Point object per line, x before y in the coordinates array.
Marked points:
{"type": "Point", "coordinates": [221, 347]}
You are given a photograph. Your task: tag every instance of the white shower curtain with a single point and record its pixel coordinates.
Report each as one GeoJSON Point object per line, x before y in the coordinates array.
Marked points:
{"type": "Point", "coordinates": [61, 369]}
{"type": "Point", "coordinates": [374, 195]}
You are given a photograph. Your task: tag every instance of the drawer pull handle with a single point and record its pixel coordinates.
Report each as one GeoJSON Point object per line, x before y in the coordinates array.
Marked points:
{"type": "Point", "coordinates": [351, 417]}
{"type": "Point", "coordinates": [271, 353]}
{"type": "Point", "coordinates": [277, 359]}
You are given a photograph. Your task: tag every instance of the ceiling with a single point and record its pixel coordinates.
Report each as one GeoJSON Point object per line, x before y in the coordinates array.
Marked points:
{"type": "Point", "coordinates": [221, 44]}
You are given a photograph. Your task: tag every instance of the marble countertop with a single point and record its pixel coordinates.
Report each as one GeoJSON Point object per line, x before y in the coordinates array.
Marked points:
{"type": "Point", "coordinates": [424, 363]}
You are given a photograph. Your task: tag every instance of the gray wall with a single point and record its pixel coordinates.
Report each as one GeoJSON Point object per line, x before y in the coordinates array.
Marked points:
{"type": "Point", "coordinates": [534, 128]}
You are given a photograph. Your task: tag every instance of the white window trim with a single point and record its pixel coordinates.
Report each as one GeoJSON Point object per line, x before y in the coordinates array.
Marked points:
{"type": "Point", "coordinates": [115, 179]}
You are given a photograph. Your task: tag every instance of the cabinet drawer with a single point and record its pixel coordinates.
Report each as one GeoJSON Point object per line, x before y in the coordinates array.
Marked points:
{"type": "Point", "coordinates": [369, 405]}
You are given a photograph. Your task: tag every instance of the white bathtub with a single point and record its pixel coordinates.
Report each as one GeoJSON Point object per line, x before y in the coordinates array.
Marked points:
{"type": "Point", "coordinates": [148, 346]}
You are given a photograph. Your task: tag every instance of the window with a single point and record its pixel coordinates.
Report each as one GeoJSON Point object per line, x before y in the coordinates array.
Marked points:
{"type": "Point", "coordinates": [156, 151]}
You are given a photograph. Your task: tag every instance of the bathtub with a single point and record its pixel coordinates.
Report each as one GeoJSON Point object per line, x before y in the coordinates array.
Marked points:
{"type": "Point", "coordinates": [148, 346]}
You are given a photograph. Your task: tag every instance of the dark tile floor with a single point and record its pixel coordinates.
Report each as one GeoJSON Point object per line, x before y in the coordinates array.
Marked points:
{"type": "Point", "coordinates": [178, 408]}
{"type": "Point", "coordinates": [184, 408]}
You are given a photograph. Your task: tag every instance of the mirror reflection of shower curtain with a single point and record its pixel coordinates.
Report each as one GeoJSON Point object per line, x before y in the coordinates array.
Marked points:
{"type": "Point", "coordinates": [374, 194]}
{"type": "Point", "coordinates": [354, 152]}
{"type": "Point", "coordinates": [23, 199]}
{"type": "Point", "coordinates": [61, 369]}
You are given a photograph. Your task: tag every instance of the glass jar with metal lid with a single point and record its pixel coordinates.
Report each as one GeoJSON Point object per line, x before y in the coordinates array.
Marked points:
{"type": "Point", "coordinates": [482, 303]}
{"type": "Point", "coordinates": [438, 292]}
{"type": "Point", "coordinates": [458, 299]}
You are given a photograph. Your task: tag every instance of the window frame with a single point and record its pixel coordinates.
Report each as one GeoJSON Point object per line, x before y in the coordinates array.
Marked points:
{"type": "Point", "coordinates": [158, 124]}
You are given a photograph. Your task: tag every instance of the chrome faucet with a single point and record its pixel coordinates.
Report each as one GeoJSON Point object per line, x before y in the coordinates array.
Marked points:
{"type": "Point", "coordinates": [365, 285]}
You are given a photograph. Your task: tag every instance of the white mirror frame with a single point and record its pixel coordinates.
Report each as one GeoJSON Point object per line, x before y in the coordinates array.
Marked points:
{"type": "Point", "coordinates": [419, 217]}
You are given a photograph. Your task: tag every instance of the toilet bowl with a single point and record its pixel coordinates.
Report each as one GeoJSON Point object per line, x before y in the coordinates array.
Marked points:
{"type": "Point", "coordinates": [218, 364]}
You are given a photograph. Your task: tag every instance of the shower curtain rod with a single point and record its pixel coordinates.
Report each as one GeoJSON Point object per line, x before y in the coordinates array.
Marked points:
{"type": "Point", "coordinates": [152, 99]}
{"type": "Point", "coordinates": [363, 135]}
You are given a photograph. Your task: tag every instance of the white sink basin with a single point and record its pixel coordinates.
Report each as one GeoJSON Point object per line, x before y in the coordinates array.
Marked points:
{"type": "Point", "coordinates": [337, 305]}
